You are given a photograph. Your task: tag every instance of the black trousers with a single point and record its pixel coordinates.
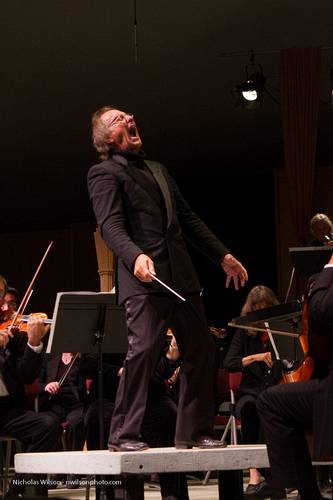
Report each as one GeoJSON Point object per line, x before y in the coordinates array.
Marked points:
{"type": "Point", "coordinates": [73, 417]}
{"type": "Point", "coordinates": [91, 423]}
{"type": "Point", "coordinates": [158, 430]}
{"type": "Point", "coordinates": [286, 412]}
{"type": "Point", "coordinates": [246, 410]}
{"type": "Point", "coordinates": [36, 431]}
{"type": "Point", "coordinates": [148, 318]}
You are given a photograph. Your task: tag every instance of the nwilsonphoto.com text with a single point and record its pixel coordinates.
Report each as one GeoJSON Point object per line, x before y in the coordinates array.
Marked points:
{"type": "Point", "coordinates": [55, 483]}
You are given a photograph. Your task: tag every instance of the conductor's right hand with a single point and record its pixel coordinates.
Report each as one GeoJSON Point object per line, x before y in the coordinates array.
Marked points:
{"type": "Point", "coordinates": [144, 268]}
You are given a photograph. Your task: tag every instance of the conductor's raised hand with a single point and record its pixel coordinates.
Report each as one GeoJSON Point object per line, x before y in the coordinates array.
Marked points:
{"type": "Point", "coordinates": [234, 270]}
{"type": "Point", "coordinates": [144, 268]}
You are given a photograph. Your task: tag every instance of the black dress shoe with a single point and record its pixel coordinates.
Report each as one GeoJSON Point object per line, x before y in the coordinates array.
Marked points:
{"type": "Point", "coordinates": [251, 490]}
{"type": "Point", "coordinates": [130, 445]}
{"type": "Point", "coordinates": [264, 490]}
{"type": "Point", "coordinates": [204, 442]}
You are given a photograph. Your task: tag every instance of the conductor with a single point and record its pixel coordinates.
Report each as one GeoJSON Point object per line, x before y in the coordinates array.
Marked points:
{"type": "Point", "coordinates": [145, 220]}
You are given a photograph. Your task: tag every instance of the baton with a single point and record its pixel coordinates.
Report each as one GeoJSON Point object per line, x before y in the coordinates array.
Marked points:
{"type": "Point", "coordinates": [167, 287]}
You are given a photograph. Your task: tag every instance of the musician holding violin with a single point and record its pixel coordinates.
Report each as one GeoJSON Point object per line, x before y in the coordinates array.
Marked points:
{"type": "Point", "coordinates": [249, 352]}
{"type": "Point", "coordinates": [9, 305]}
{"type": "Point", "coordinates": [288, 412]}
{"type": "Point", "coordinates": [20, 362]}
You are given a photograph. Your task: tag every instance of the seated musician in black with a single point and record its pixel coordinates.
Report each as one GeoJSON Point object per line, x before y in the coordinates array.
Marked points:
{"type": "Point", "coordinates": [289, 411]}
{"type": "Point", "coordinates": [321, 228]}
{"type": "Point", "coordinates": [249, 353]}
{"type": "Point", "coordinates": [63, 394]}
{"type": "Point", "coordinates": [20, 362]}
{"type": "Point", "coordinates": [159, 422]}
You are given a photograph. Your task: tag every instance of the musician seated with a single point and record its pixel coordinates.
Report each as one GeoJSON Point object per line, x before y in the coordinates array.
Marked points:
{"type": "Point", "coordinates": [10, 301]}
{"type": "Point", "coordinates": [321, 228]}
{"type": "Point", "coordinates": [62, 392]}
{"type": "Point", "coordinates": [20, 362]}
{"type": "Point", "coordinates": [249, 353]}
{"type": "Point", "coordinates": [288, 411]}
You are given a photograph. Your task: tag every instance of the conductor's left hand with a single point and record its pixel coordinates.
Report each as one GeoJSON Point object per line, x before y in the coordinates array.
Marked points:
{"type": "Point", "coordinates": [234, 270]}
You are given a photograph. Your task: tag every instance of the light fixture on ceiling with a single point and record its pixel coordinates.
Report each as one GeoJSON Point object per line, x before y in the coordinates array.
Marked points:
{"type": "Point", "coordinates": [249, 93]}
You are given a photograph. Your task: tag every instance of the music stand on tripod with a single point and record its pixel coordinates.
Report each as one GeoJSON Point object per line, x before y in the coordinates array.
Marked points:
{"type": "Point", "coordinates": [86, 321]}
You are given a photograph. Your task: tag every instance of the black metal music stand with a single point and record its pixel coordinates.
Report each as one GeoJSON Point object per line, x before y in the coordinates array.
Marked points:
{"type": "Point", "coordinates": [284, 321]}
{"type": "Point", "coordinates": [309, 260]}
{"type": "Point", "coordinates": [86, 321]}
{"type": "Point", "coordinates": [306, 262]}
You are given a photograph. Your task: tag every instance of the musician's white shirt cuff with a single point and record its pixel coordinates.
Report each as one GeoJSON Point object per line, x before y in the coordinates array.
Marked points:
{"type": "Point", "coordinates": [36, 348]}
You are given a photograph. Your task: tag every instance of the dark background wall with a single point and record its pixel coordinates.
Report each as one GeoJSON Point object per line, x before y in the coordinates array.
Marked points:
{"type": "Point", "coordinates": [62, 60]}
{"type": "Point", "coordinates": [240, 210]}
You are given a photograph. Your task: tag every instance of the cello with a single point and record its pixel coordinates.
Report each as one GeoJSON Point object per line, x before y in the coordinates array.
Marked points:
{"type": "Point", "coordinates": [296, 371]}
{"type": "Point", "coordinates": [291, 371]}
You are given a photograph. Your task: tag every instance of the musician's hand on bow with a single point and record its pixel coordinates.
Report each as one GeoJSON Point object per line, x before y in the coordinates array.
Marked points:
{"type": "Point", "coordinates": [36, 330]}
{"type": "Point", "coordinates": [52, 387]}
{"type": "Point", "coordinates": [234, 271]}
{"type": "Point", "coordinates": [143, 268]}
{"type": "Point", "coordinates": [5, 335]}
{"type": "Point", "coordinates": [266, 357]}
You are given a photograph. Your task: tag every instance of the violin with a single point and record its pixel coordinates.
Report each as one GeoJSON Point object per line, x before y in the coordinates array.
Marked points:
{"type": "Point", "coordinates": [20, 323]}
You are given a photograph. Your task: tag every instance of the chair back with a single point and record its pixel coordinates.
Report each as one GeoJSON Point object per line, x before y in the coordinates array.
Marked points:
{"type": "Point", "coordinates": [235, 379]}
{"type": "Point", "coordinates": [223, 388]}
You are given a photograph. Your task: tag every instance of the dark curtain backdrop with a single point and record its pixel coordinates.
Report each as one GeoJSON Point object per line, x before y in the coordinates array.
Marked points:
{"type": "Point", "coordinates": [299, 80]}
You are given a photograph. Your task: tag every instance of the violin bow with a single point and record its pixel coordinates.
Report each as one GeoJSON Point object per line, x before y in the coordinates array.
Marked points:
{"type": "Point", "coordinates": [28, 293]}
{"type": "Point", "coordinates": [68, 369]}
{"type": "Point", "coordinates": [270, 335]}
{"type": "Point", "coordinates": [260, 329]}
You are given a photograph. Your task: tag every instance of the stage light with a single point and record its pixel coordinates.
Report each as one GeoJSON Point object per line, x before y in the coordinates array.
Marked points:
{"type": "Point", "coordinates": [250, 95]}
{"type": "Point", "coordinates": [251, 90]}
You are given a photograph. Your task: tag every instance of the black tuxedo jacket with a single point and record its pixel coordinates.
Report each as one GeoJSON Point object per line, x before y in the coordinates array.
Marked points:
{"type": "Point", "coordinates": [19, 365]}
{"type": "Point", "coordinates": [320, 315]}
{"type": "Point", "coordinates": [133, 221]}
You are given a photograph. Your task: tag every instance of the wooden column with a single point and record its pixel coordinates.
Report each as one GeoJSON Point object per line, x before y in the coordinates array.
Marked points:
{"type": "Point", "coordinates": [106, 262]}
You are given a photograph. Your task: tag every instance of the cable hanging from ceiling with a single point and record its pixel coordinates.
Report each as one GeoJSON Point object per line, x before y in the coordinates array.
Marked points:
{"type": "Point", "coordinates": [135, 29]}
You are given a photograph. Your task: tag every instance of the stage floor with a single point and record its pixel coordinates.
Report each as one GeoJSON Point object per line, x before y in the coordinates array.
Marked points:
{"type": "Point", "coordinates": [197, 491]}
